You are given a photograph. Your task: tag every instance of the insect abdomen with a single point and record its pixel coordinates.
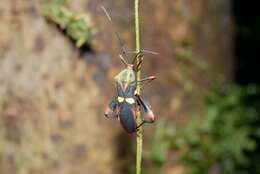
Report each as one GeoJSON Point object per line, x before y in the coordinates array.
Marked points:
{"type": "Point", "coordinates": [127, 119]}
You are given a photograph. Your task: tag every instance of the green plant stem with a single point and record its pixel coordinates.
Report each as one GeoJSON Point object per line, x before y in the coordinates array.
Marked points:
{"type": "Point", "coordinates": [139, 134]}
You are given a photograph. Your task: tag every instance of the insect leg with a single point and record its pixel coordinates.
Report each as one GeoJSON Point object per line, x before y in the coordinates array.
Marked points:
{"type": "Point", "coordinates": [149, 52]}
{"type": "Point", "coordinates": [111, 115]}
{"type": "Point", "coordinates": [150, 78]}
{"type": "Point", "coordinates": [149, 115]}
{"type": "Point", "coordinates": [137, 127]}
{"type": "Point", "coordinates": [110, 111]}
{"type": "Point", "coordinates": [138, 66]}
{"type": "Point", "coordinates": [142, 51]}
{"type": "Point", "coordinates": [140, 54]}
{"type": "Point", "coordinates": [136, 56]}
{"type": "Point", "coordinates": [147, 80]}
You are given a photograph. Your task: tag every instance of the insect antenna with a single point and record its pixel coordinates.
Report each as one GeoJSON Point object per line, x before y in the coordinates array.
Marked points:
{"type": "Point", "coordinates": [123, 49]}
{"type": "Point", "coordinates": [123, 60]}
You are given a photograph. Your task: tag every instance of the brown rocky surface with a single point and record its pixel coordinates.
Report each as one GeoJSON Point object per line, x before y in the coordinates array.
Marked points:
{"type": "Point", "coordinates": [53, 94]}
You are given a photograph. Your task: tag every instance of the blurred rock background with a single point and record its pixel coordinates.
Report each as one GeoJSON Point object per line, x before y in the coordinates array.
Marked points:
{"type": "Point", "coordinates": [57, 63]}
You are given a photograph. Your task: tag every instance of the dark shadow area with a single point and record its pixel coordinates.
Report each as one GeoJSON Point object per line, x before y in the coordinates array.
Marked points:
{"type": "Point", "coordinates": [246, 58]}
{"type": "Point", "coordinates": [246, 37]}
{"type": "Point", "coordinates": [84, 49]}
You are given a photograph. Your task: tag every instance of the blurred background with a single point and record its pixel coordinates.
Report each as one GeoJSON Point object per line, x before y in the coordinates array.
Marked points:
{"type": "Point", "coordinates": [57, 63]}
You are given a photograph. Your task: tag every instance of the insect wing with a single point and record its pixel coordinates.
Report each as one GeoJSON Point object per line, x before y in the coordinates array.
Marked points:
{"type": "Point", "coordinates": [127, 118]}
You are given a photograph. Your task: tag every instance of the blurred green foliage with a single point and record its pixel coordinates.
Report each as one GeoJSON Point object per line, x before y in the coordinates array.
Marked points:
{"type": "Point", "coordinates": [223, 140]}
{"type": "Point", "coordinates": [75, 25]}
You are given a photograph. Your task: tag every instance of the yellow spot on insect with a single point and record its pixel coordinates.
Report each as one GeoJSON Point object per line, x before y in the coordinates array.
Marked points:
{"type": "Point", "coordinates": [130, 100]}
{"type": "Point", "coordinates": [120, 99]}
{"type": "Point", "coordinates": [135, 92]}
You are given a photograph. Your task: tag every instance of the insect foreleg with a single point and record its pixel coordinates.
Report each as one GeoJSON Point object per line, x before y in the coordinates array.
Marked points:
{"type": "Point", "coordinates": [150, 78]}
{"type": "Point", "coordinates": [138, 66]}
{"type": "Point", "coordinates": [146, 81]}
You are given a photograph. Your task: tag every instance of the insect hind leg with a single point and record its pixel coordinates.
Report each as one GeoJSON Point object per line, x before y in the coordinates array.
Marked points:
{"type": "Point", "coordinates": [110, 110]}
{"type": "Point", "coordinates": [112, 115]}
{"type": "Point", "coordinates": [149, 115]}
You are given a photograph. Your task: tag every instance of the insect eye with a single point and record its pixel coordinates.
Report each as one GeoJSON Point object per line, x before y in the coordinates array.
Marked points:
{"type": "Point", "coordinates": [130, 100]}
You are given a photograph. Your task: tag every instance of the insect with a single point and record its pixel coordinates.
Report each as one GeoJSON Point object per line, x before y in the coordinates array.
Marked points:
{"type": "Point", "coordinates": [127, 102]}
{"type": "Point", "coordinates": [124, 106]}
